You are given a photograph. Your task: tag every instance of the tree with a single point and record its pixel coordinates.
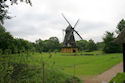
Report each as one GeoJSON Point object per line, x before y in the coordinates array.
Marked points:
{"type": "Point", "coordinates": [3, 11]}
{"type": "Point", "coordinates": [4, 8]}
{"type": "Point", "coordinates": [7, 42]}
{"type": "Point", "coordinates": [39, 45]}
{"type": "Point", "coordinates": [120, 26]}
{"type": "Point", "coordinates": [81, 44]}
{"type": "Point", "coordinates": [51, 44]}
{"type": "Point", "coordinates": [6, 39]}
{"type": "Point", "coordinates": [54, 43]}
{"type": "Point", "coordinates": [23, 45]}
{"type": "Point", "coordinates": [100, 45]}
{"type": "Point", "coordinates": [91, 46]}
{"type": "Point", "coordinates": [109, 45]}
{"type": "Point", "coordinates": [2, 29]}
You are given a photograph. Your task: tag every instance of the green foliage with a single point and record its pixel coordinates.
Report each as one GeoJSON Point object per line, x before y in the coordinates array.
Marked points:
{"type": "Point", "coordinates": [24, 72]}
{"type": "Point", "coordinates": [120, 26]}
{"type": "Point", "coordinates": [4, 8]}
{"type": "Point", "coordinates": [22, 45]}
{"type": "Point", "coordinates": [84, 45]}
{"type": "Point", "coordinates": [85, 65]}
{"type": "Point", "coordinates": [18, 45]}
{"type": "Point", "coordinates": [109, 45]}
{"type": "Point", "coordinates": [1, 51]}
{"type": "Point", "coordinates": [59, 68]}
{"type": "Point", "coordinates": [100, 45]}
{"type": "Point", "coordinates": [2, 29]}
{"type": "Point", "coordinates": [6, 71]}
{"type": "Point", "coordinates": [56, 76]}
{"type": "Point", "coordinates": [81, 44]}
{"type": "Point", "coordinates": [49, 45]}
{"type": "Point", "coordinates": [91, 46]}
{"type": "Point", "coordinates": [5, 39]}
{"type": "Point", "coordinates": [7, 51]}
{"type": "Point", "coordinates": [119, 78]}
{"type": "Point", "coordinates": [15, 45]}
{"type": "Point", "coordinates": [3, 11]}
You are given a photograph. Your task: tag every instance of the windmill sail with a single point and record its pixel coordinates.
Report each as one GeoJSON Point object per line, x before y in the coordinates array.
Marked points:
{"type": "Point", "coordinates": [66, 19]}
{"type": "Point", "coordinates": [69, 39]}
{"type": "Point", "coordinates": [76, 23]}
{"type": "Point", "coordinates": [78, 34]}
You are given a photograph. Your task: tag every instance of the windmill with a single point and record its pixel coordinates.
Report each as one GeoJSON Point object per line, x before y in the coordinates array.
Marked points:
{"type": "Point", "coordinates": [69, 44]}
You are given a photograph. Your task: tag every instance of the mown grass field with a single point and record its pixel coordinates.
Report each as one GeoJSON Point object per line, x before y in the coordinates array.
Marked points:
{"type": "Point", "coordinates": [80, 64]}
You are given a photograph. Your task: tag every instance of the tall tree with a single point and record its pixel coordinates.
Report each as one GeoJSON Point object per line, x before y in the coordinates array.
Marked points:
{"type": "Point", "coordinates": [120, 26]}
{"type": "Point", "coordinates": [5, 39]}
{"type": "Point", "coordinates": [52, 44]}
{"type": "Point", "coordinates": [81, 44]}
{"type": "Point", "coordinates": [39, 45]}
{"type": "Point", "coordinates": [91, 46]}
{"type": "Point", "coordinates": [100, 45]}
{"type": "Point", "coordinates": [109, 45]}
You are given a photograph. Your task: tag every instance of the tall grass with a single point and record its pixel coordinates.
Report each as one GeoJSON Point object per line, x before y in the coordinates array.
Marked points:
{"type": "Point", "coordinates": [84, 65]}
{"type": "Point", "coordinates": [23, 68]}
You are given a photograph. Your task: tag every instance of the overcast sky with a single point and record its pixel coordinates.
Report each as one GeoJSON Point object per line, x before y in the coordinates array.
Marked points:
{"type": "Point", "coordinates": [43, 20]}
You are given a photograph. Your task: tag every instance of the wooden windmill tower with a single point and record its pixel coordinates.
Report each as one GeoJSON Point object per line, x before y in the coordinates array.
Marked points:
{"type": "Point", "coordinates": [69, 44]}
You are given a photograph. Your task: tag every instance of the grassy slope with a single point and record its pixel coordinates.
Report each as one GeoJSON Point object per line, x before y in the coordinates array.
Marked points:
{"type": "Point", "coordinates": [84, 65]}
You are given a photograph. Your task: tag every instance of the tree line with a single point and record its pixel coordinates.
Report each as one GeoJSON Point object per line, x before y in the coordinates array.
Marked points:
{"type": "Point", "coordinates": [9, 44]}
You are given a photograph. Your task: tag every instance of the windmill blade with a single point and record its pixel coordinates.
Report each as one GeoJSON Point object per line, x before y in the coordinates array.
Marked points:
{"type": "Point", "coordinates": [76, 23]}
{"type": "Point", "coordinates": [66, 19]}
{"type": "Point", "coordinates": [78, 34]}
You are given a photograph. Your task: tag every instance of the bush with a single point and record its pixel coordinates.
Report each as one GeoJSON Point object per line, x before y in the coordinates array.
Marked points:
{"type": "Point", "coordinates": [6, 71]}
{"type": "Point", "coordinates": [23, 73]}
{"type": "Point", "coordinates": [119, 78]}
{"type": "Point", "coordinates": [1, 51]}
{"type": "Point", "coordinates": [7, 51]}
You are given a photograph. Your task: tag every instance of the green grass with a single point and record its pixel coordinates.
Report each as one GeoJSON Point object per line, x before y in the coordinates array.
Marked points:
{"type": "Point", "coordinates": [28, 69]}
{"type": "Point", "coordinates": [66, 62]}
{"type": "Point", "coordinates": [20, 73]}
{"type": "Point", "coordinates": [87, 65]}
{"type": "Point", "coordinates": [59, 67]}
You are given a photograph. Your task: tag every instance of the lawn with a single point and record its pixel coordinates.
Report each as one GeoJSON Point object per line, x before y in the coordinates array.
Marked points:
{"type": "Point", "coordinates": [78, 64]}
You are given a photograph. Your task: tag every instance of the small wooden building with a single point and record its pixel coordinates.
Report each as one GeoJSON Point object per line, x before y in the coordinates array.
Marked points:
{"type": "Point", "coordinates": [69, 49]}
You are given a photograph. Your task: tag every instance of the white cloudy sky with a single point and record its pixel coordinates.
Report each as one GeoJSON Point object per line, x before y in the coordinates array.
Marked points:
{"type": "Point", "coordinates": [44, 20]}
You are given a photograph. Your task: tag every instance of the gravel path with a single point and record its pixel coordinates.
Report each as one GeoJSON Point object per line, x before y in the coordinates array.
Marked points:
{"type": "Point", "coordinates": [106, 76]}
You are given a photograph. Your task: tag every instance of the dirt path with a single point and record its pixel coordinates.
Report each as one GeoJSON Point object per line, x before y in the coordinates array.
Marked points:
{"type": "Point", "coordinates": [106, 76]}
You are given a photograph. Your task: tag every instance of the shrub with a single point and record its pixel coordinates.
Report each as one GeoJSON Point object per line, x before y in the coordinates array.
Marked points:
{"type": "Point", "coordinates": [7, 51]}
{"type": "Point", "coordinates": [1, 51]}
{"type": "Point", "coordinates": [119, 78]}
{"type": "Point", "coordinates": [23, 73]}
